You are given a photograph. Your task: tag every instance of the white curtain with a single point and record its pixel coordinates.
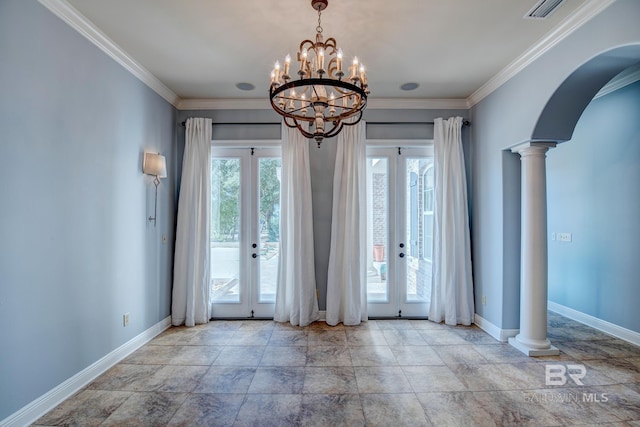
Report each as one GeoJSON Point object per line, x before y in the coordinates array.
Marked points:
{"type": "Point", "coordinates": [452, 287]}
{"type": "Point", "coordinates": [191, 274]}
{"type": "Point", "coordinates": [296, 299]}
{"type": "Point", "coordinates": [346, 282]}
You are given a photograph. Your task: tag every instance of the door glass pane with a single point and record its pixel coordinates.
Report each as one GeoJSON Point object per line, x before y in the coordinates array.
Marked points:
{"type": "Point", "coordinates": [225, 230]}
{"type": "Point", "coordinates": [419, 226]}
{"type": "Point", "coordinates": [377, 229]}
{"type": "Point", "coordinates": [269, 228]}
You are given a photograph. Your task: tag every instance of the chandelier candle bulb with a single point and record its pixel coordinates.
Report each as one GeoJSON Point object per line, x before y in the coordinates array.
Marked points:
{"type": "Point", "coordinates": [287, 64]}
{"type": "Point", "coordinates": [320, 62]}
{"type": "Point", "coordinates": [276, 71]}
{"type": "Point", "coordinates": [354, 69]}
{"type": "Point", "coordinates": [339, 61]}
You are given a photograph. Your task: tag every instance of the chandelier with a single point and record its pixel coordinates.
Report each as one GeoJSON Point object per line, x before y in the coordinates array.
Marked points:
{"type": "Point", "coordinates": [323, 95]}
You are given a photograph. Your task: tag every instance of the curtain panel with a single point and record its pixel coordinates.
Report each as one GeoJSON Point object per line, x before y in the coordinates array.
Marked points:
{"type": "Point", "coordinates": [296, 299]}
{"type": "Point", "coordinates": [191, 276]}
{"type": "Point", "coordinates": [452, 286]}
{"type": "Point", "coordinates": [346, 281]}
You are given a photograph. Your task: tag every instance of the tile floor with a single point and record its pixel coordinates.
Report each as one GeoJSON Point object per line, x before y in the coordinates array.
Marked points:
{"type": "Point", "coordinates": [382, 373]}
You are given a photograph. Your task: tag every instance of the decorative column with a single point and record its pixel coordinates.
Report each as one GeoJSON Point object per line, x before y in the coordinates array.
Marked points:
{"type": "Point", "coordinates": [532, 339]}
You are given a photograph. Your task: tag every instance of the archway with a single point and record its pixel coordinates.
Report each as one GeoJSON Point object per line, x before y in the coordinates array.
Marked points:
{"type": "Point", "coordinates": [555, 124]}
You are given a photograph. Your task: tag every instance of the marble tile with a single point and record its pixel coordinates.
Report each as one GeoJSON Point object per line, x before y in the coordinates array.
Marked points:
{"type": "Point", "coordinates": [196, 355]}
{"type": "Point", "coordinates": [474, 335]}
{"type": "Point", "coordinates": [124, 377]}
{"type": "Point", "coordinates": [510, 408]}
{"type": "Point", "coordinates": [175, 379]}
{"type": "Point", "coordinates": [459, 354]}
{"type": "Point", "coordinates": [568, 405]}
{"type": "Point", "coordinates": [284, 356]}
{"type": "Point", "coordinates": [357, 337]}
{"type": "Point", "coordinates": [288, 338]}
{"type": "Point", "coordinates": [152, 408]}
{"type": "Point", "coordinates": [330, 380]}
{"type": "Point", "coordinates": [278, 380]}
{"type": "Point", "coordinates": [203, 410]}
{"type": "Point", "coordinates": [322, 325]}
{"type": "Point", "coordinates": [583, 350]}
{"type": "Point", "coordinates": [240, 356]}
{"type": "Point", "coordinates": [393, 409]}
{"type": "Point", "coordinates": [224, 325]}
{"type": "Point", "coordinates": [179, 335]}
{"type": "Point", "coordinates": [381, 380]}
{"type": "Point", "coordinates": [226, 379]}
{"type": "Point", "coordinates": [270, 410]}
{"type": "Point", "coordinates": [328, 356]}
{"type": "Point", "coordinates": [372, 356]}
{"type": "Point", "coordinates": [425, 379]}
{"type": "Point", "coordinates": [416, 355]}
{"type": "Point", "coordinates": [211, 337]}
{"type": "Point", "coordinates": [397, 324]}
{"type": "Point", "coordinates": [153, 355]}
{"type": "Point", "coordinates": [255, 325]}
{"type": "Point", "coordinates": [323, 410]}
{"type": "Point", "coordinates": [458, 409]}
{"type": "Point", "coordinates": [325, 337]}
{"type": "Point", "coordinates": [622, 401]}
{"type": "Point", "coordinates": [250, 337]}
{"type": "Point", "coordinates": [86, 408]}
{"type": "Point", "coordinates": [501, 353]}
{"type": "Point", "coordinates": [397, 337]}
{"type": "Point", "coordinates": [435, 337]}
{"type": "Point", "coordinates": [487, 377]}
{"type": "Point", "coordinates": [366, 325]}
{"type": "Point", "coordinates": [427, 324]}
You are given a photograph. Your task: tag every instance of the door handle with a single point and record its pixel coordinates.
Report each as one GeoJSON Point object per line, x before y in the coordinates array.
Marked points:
{"type": "Point", "coordinates": [401, 245]}
{"type": "Point", "coordinates": [401, 255]}
{"type": "Point", "coordinates": [254, 255]}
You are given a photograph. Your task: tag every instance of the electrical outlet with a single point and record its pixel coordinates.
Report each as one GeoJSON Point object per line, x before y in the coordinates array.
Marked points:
{"type": "Point", "coordinates": [125, 319]}
{"type": "Point", "coordinates": [564, 237]}
{"type": "Point", "coordinates": [484, 300]}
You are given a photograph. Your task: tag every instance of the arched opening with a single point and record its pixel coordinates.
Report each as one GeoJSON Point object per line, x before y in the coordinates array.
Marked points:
{"type": "Point", "coordinates": [593, 267]}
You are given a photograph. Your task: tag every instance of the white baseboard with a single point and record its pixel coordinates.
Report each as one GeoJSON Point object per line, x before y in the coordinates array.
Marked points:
{"type": "Point", "coordinates": [502, 335]}
{"type": "Point", "coordinates": [55, 396]}
{"type": "Point", "coordinates": [599, 324]}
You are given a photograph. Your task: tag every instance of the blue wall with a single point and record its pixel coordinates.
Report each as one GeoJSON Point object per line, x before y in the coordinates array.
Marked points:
{"type": "Point", "coordinates": [593, 193]}
{"type": "Point", "coordinates": [76, 251]}
{"type": "Point", "coordinates": [506, 117]}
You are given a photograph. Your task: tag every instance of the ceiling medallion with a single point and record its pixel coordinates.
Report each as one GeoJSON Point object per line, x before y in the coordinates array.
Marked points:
{"type": "Point", "coordinates": [319, 96]}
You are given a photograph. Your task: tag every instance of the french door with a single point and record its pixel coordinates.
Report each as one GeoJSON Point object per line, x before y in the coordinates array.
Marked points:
{"type": "Point", "coordinates": [245, 231]}
{"type": "Point", "coordinates": [399, 231]}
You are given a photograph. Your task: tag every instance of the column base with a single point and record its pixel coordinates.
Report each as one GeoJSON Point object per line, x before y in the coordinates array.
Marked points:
{"type": "Point", "coordinates": [533, 352]}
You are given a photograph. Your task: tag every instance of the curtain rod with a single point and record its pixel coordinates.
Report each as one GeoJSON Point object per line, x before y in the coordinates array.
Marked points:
{"type": "Point", "coordinates": [183, 124]}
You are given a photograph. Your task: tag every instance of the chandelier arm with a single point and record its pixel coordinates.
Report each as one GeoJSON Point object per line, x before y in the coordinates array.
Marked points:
{"type": "Point", "coordinates": [331, 133]}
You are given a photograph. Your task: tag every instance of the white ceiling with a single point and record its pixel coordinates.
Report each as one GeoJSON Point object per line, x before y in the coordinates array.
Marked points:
{"type": "Point", "coordinates": [200, 49]}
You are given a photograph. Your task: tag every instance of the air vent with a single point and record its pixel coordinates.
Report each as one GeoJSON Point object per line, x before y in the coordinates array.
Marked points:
{"type": "Point", "coordinates": [543, 9]}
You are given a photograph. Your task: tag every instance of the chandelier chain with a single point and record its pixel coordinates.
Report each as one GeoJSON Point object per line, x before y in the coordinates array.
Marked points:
{"type": "Point", "coordinates": [319, 27]}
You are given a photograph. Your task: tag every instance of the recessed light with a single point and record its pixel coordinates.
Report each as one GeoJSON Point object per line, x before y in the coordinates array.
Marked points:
{"type": "Point", "coordinates": [245, 86]}
{"type": "Point", "coordinates": [409, 86]}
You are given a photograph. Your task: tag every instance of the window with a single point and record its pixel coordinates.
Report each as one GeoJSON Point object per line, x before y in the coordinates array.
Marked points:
{"type": "Point", "coordinates": [427, 212]}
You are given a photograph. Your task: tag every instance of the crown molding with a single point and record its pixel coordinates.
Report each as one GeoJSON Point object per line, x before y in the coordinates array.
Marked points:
{"type": "Point", "coordinates": [63, 10]}
{"type": "Point", "coordinates": [416, 104]}
{"type": "Point", "coordinates": [224, 104]}
{"type": "Point", "coordinates": [580, 17]}
{"type": "Point", "coordinates": [616, 84]}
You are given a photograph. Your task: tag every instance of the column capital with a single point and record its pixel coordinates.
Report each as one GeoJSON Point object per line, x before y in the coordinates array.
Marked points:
{"type": "Point", "coordinates": [533, 146]}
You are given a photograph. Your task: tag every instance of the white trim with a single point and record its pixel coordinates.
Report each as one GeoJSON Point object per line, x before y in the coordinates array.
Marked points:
{"type": "Point", "coordinates": [581, 16]}
{"type": "Point", "coordinates": [502, 335]}
{"type": "Point", "coordinates": [323, 315]}
{"type": "Point", "coordinates": [34, 410]}
{"type": "Point", "coordinates": [417, 104]}
{"type": "Point", "coordinates": [243, 143]}
{"type": "Point", "coordinates": [63, 10]}
{"type": "Point", "coordinates": [616, 84]}
{"type": "Point", "coordinates": [224, 104]}
{"type": "Point", "coordinates": [402, 143]}
{"type": "Point", "coordinates": [599, 324]}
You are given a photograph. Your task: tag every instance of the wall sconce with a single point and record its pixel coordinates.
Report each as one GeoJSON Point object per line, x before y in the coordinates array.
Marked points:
{"type": "Point", "coordinates": [154, 164]}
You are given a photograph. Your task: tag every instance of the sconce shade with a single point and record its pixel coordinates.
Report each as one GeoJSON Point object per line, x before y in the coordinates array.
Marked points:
{"type": "Point", "coordinates": [154, 164]}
